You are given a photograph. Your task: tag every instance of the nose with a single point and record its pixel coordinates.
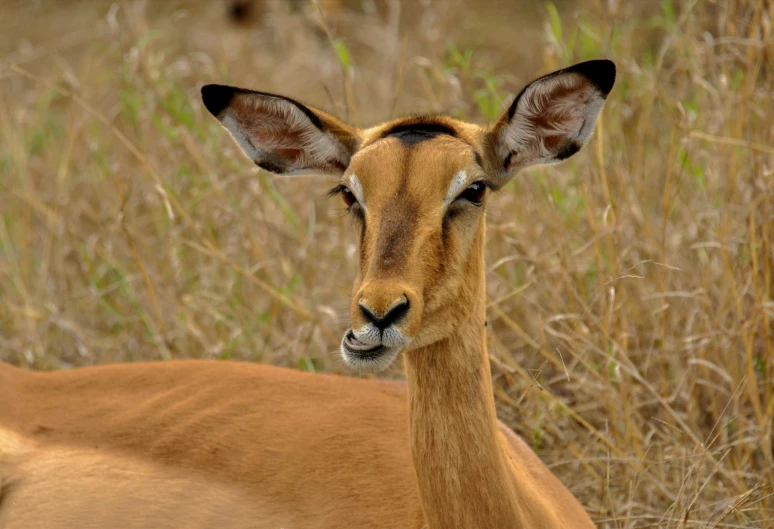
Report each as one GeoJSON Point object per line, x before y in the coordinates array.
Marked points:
{"type": "Point", "coordinates": [393, 314]}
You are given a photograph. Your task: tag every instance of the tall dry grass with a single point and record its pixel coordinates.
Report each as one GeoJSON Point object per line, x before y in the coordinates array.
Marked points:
{"type": "Point", "coordinates": [630, 289]}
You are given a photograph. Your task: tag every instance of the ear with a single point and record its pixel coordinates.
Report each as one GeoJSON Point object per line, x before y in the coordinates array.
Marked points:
{"type": "Point", "coordinates": [281, 135]}
{"type": "Point", "coordinates": [552, 118]}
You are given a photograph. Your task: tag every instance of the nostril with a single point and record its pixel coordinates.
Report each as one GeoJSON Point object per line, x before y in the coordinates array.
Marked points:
{"type": "Point", "coordinates": [367, 314]}
{"type": "Point", "coordinates": [393, 315]}
{"type": "Point", "coordinates": [396, 312]}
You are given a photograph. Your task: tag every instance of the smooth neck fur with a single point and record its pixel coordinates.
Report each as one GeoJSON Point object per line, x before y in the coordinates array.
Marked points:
{"type": "Point", "coordinates": [467, 471]}
{"type": "Point", "coordinates": [459, 455]}
{"type": "Point", "coordinates": [460, 460]}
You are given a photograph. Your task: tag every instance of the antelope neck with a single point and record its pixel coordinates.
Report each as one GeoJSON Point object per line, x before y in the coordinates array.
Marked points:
{"type": "Point", "coordinates": [458, 452]}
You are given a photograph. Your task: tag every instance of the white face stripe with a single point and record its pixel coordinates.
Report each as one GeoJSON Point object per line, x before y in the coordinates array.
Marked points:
{"type": "Point", "coordinates": [356, 188]}
{"type": "Point", "coordinates": [457, 184]}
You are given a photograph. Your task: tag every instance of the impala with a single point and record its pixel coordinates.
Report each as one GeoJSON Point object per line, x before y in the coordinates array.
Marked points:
{"type": "Point", "coordinates": [234, 445]}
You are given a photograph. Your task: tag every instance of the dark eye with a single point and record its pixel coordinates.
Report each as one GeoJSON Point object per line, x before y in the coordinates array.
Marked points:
{"type": "Point", "coordinates": [474, 193]}
{"type": "Point", "coordinates": [348, 196]}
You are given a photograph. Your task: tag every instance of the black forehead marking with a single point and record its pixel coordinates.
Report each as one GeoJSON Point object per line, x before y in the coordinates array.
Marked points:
{"type": "Point", "coordinates": [409, 134]}
{"type": "Point", "coordinates": [412, 133]}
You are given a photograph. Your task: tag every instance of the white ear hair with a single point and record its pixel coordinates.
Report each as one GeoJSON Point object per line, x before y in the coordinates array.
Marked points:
{"type": "Point", "coordinates": [554, 116]}
{"type": "Point", "coordinates": [277, 133]}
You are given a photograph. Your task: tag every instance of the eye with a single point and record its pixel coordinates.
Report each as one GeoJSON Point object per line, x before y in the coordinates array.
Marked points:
{"type": "Point", "coordinates": [474, 193]}
{"type": "Point", "coordinates": [348, 196]}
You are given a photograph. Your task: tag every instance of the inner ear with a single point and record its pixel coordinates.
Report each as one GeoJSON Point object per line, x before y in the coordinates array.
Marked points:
{"type": "Point", "coordinates": [552, 117]}
{"type": "Point", "coordinates": [282, 135]}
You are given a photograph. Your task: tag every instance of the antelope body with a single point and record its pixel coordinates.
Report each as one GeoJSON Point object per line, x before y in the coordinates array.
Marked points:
{"type": "Point", "coordinates": [227, 444]}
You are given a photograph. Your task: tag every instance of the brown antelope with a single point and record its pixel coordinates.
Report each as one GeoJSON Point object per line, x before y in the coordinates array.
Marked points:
{"type": "Point", "coordinates": [232, 445]}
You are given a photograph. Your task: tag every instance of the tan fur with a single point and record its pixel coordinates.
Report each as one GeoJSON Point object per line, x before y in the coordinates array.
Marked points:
{"type": "Point", "coordinates": [225, 444]}
{"type": "Point", "coordinates": [211, 444]}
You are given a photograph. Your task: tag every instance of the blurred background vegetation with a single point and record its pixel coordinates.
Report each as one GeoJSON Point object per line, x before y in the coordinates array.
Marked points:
{"type": "Point", "coordinates": [630, 289]}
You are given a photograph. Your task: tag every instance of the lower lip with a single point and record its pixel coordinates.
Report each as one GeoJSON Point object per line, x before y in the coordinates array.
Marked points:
{"type": "Point", "coordinates": [363, 353]}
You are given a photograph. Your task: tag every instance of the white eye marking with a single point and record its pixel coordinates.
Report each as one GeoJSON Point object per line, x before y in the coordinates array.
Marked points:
{"type": "Point", "coordinates": [356, 188]}
{"type": "Point", "coordinates": [456, 186]}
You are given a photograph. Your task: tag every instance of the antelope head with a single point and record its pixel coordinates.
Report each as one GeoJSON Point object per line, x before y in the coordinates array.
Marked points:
{"type": "Point", "coordinates": [416, 189]}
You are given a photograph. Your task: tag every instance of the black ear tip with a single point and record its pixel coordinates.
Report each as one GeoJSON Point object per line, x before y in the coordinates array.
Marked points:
{"type": "Point", "coordinates": [217, 97]}
{"type": "Point", "coordinates": [600, 72]}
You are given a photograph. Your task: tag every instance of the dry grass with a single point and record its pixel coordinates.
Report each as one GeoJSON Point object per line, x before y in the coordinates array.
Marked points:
{"type": "Point", "coordinates": [631, 290]}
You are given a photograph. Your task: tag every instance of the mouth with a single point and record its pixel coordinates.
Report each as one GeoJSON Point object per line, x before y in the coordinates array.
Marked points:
{"type": "Point", "coordinates": [367, 358]}
{"type": "Point", "coordinates": [359, 349]}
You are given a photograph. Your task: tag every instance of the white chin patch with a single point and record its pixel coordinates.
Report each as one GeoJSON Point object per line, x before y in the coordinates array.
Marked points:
{"type": "Point", "coordinates": [371, 363]}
